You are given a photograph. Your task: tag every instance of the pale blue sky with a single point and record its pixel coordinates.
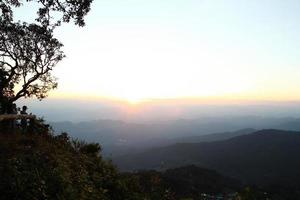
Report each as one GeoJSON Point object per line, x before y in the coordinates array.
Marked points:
{"type": "Point", "coordinates": [141, 49]}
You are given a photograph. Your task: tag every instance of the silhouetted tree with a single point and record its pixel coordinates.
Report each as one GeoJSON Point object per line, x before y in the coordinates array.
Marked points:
{"type": "Point", "coordinates": [29, 51]}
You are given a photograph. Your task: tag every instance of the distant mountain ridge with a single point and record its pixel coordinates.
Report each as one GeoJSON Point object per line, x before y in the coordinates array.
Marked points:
{"type": "Point", "coordinates": [118, 137]}
{"type": "Point", "coordinates": [263, 157]}
{"type": "Point", "coordinates": [215, 136]}
{"type": "Point", "coordinates": [121, 137]}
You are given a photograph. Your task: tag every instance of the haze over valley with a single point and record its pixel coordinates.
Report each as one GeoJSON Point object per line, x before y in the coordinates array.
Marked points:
{"type": "Point", "coordinates": [149, 100]}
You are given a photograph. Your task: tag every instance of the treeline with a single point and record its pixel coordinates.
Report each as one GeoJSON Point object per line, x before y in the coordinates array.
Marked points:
{"type": "Point", "coordinates": [56, 167]}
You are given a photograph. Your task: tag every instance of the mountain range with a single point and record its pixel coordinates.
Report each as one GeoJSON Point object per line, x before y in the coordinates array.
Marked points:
{"type": "Point", "coordinates": [123, 137]}
{"type": "Point", "coordinates": [263, 157]}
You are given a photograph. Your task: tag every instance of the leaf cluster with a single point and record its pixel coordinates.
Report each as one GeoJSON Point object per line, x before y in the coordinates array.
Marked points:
{"type": "Point", "coordinates": [53, 167]}
{"type": "Point", "coordinates": [29, 51]}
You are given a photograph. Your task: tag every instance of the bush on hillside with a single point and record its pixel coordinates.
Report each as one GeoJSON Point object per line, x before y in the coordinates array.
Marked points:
{"type": "Point", "coordinates": [54, 167]}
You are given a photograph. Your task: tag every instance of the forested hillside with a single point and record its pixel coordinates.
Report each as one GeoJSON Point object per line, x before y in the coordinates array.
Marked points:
{"type": "Point", "coordinates": [263, 157]}
{"type": "Point", "coordinates": [57, 167]}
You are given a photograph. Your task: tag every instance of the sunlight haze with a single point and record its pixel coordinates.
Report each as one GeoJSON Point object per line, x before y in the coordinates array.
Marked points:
{"type": "Point", "coordinates": [139, 50]}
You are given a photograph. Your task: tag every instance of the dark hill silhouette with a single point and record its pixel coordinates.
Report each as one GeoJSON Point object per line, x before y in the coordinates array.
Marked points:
{"type": "Point", "coordinates": [45, 166]}
{"type": "Point", "coordinates": [214, 136]}
{"type": "Point", "coordinates": [123, 137]}
{"type": "Point", "coordinates": [194, 180]}
{"type": "Point", "coordinates": [263, 157]}
{"type": "Point", "coordinates": [120, 137]}
{"type": "Point", "coordinates": [188, 182]}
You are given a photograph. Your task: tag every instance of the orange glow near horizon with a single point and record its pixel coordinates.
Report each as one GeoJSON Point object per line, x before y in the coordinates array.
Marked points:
{"type": "Point", "coordinates": [136, 103]}
{"type": "Point", "coordinates": [184, 52]}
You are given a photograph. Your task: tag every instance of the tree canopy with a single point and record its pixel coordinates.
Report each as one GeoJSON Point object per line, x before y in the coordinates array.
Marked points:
{"type": "Point", "coordinates": [67, 9]}
{"type": "Point", "coordinates": [29, 51]}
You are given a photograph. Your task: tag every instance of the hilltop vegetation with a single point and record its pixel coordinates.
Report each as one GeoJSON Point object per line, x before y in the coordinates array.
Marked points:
{"type": "Point", "coordinates": [56, 167]}
{"type": "Point", "coordinates": [264, 157]}
{"type": "Point", "coordinates": [45, 166]}
{"type": "Point", "coordinates": [53, 167]}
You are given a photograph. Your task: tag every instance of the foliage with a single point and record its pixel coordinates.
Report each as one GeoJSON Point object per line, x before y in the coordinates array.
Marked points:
{"type": "Point", "coordinates": [53, 167]}
{"type": "Point", "coordinates": [145, 185]}
{"type": "Point", "coordinates": [44, 166]}
{"type": "Point", "coordinates": [29, 51]}
{"type": "Point", "coordinates": [250, 193]}
{"type": "Point", "coordinates": [192, 181]}
{"type": "Point", "coordinates": [68, 10]}
{"type": "Point", "coordinates": [272, 159]}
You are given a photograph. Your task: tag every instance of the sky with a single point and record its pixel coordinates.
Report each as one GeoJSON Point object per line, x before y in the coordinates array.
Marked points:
{"type": "Point", "coordinates": [138, 50]}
